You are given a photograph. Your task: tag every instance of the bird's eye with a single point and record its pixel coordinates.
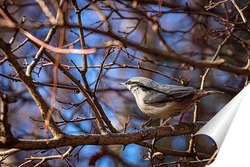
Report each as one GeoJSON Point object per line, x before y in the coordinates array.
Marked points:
{"type": "Point", "coordinates": [144, 88]}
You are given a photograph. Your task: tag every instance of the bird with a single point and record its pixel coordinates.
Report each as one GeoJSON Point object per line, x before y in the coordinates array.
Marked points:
{"type": "Point", "coordinates": [158, 100]}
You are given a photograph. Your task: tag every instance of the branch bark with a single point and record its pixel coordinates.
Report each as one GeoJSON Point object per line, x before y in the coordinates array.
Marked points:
{"type": "Point", "coordinates": [219, 64]}
{"type": "Point", "coordinates": [6, 137]}
{"type": "Point", "coordinates": [107, 139]}
{"type": "Point", "coordinates": [27, 80]}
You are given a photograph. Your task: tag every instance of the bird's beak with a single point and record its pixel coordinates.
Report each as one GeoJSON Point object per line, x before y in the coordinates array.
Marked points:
{"type": "Point", "coordinates": [123, 84]}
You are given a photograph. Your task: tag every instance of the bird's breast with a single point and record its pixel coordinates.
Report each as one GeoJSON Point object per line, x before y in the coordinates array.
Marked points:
{"type": "Point", "coordinates": [164, 110]}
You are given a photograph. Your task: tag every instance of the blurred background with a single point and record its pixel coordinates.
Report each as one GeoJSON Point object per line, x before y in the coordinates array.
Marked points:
{"type": "Point", "coordinates": [204, 44]}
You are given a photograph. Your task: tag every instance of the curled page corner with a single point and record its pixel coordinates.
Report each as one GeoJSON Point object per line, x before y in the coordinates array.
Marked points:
{"type": "Point", "coordinates": [217, 127]}
{"type": "Point", "coordinates": [229, 129]}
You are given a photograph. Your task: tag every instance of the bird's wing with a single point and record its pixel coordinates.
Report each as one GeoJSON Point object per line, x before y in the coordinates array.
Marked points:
{"type": "Point", "coordinates": [168, 93]}
{"type": "Point", "coordinates": [156, 98]}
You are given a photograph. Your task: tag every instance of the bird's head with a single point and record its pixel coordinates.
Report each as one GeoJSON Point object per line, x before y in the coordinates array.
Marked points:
{"type": "Point", "coordinates": [136, 84]}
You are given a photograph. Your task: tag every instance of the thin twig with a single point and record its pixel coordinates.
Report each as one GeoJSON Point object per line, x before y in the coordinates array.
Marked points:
{"type": "Point", "coordinates": [239, 10]}
{"type": "Point", "coordinates": [110, 50]}
{"type": "Point", "coordinates": [83, 91]}
{"type": "Point", "coordinates": [39, 100]}
{"type": "Point", "coordinates": [213, 59]}
{"type": "Point", "coordinates": [39, 53]}
{"type": "Point", "coordinates": [46, 158]}
{"type": "Point", "coordinates": [83, 45]}
{"type": "Point", "coordinates": [41, 43]}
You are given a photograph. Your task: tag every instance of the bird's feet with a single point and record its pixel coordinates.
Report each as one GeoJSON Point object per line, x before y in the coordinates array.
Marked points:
{"type": "Point", "coordinates": [166, 123]}
{"type": "Point", "coordinates": [146, 123]}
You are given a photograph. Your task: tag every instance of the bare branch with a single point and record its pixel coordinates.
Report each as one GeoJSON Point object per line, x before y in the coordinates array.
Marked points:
{"type": "Point", "coordinates": [43, 44]}
{"type": "Point", "coordinates": [108, 139]}
{"type": "Point", "coordinates": [220, 64]}
{"type": "Point", "coordinates": [43, 159]}
{"type": "Point", "coordinates": [42, 105]}
{"type": "Point", "coordinates": [70, 55]}
{"type": "Point", "coordinates": [239, 10]}
{"type": "Point", "coordinates": [9, 152]}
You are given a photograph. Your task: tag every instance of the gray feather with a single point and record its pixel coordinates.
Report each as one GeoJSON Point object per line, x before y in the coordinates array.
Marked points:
{"type": "Point", "coordinates": [164, 93]}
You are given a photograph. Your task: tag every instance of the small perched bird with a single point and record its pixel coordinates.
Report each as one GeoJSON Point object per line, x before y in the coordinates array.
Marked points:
{"type": "Point", "coordinates": [159, 100]}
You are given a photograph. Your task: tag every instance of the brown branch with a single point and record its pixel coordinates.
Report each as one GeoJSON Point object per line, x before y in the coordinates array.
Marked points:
{"type": "Point", "coordinates": [82, 51]}
{"type": "Point", "coordinates": [6, 137]}
{"type": "Point", "coordinates": [85, 65]}
{"type": "Point", "coordinates": [12, 24]}
{"type": "Point", "coordinates": [27, 81]}
{"type": "Point", "coordinates": [46, 11]}
{"type": "Point", "coordinates": [110, 50]}
{"type": "Point", "coordinates": [46, 158]}
{"type": "Point", "coordinates": [163, 150]}
{"type": "Point", "coordinates": [85, 69]}
{"type": "Point", "coordinates": [107, 139]}
{"type": "Point", "coordinates": [220, 64]}
{"type": "Point", "coordinates": [56, 49]}
{"type": "Point", "coordinates": [203, 77]}
{"type": "Point", "coordinates": [83, 44]}
{"type": "Point", "coordinates": [61, 39]}
{"type": "Point", "coordinates": [92, 104]}
{"type": "Point", "coordinates": [9, 152]}
{"type": "Point", "coordinates": [39, 53]}
{"type": "Point", "coordinates": [239, 10]}
{"type": "Point", "coordinates": [62, 86]}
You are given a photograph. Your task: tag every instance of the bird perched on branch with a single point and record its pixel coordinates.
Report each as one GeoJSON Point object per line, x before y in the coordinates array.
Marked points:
{"type": "Point", "coordinates": [159, 100]}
